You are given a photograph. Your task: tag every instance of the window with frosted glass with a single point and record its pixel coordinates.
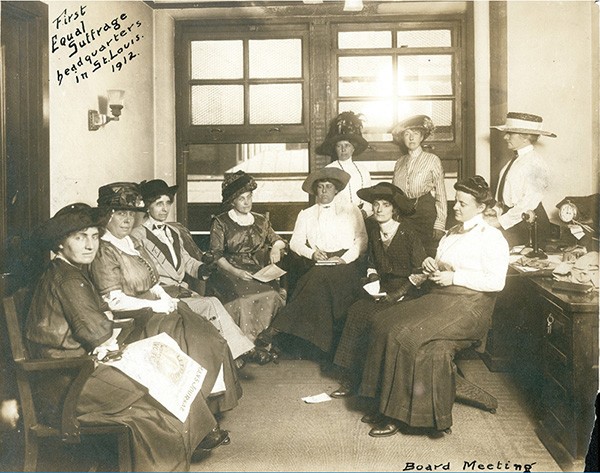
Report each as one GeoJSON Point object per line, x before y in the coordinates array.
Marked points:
{"type": "Point", "coordinates": [275, 103]}
{"type": "Point", "coordinates": [217, 59]}
{"type": "Point", "coordinates": [364, 39]}
{"type": "Point", "coordinates": [425, 75]}
{"type": "Point", "coordinates": [424, 38]}
{"type": "Point", "coordinates": [367, 76]}
{"type": "Point", "coordinates": [217, 105]}
{"type": "Point", "coordinates": [275, 58]}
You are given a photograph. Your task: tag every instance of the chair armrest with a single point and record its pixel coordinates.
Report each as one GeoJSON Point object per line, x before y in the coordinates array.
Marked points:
{"type": "Point", "coordinates": [84, 367]}
{"type": "Point", "coordinates": [45, 364]}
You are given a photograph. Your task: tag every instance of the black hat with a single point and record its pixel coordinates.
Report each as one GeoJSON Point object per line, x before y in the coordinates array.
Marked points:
{"type": "Point", "coordinates": [120, 196]}
{"type": "Point", "coordinates": [325, 174]}
{"type": "Point", "coordinates": [235, 184]}
{"type": "Point", "coordinates": [69, 219]}
{"type": "Point", "coordinates": [389, 192]}
{"type": "Point", "coordinates": [420, 122]}
{"type": "Point", "coordinates": [347, 126]}
{"type": "Point", "coordinates": [152, 190]}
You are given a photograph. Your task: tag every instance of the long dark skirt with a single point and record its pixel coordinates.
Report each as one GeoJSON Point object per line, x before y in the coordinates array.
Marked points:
{"type": "Point", "coordinates": [251, 304]}
{"type": "Point", "coordinates": [160, 441]}
{"type": "Point", "coordinates": [422, 221]}
{"type": "Point", "coordinates": [409, 363]}
{"type": "Point", "coordinates": [317, 309]}
{"type": "Point", "coordinates": [352, 349]}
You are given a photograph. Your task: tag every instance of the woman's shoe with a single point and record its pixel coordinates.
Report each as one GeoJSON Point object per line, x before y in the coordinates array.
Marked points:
{"type": "Point", "coordinates": [344, 390]}
{"type": "Point", "coordinates": [386, 429]}
{"type": "Point", "coordinates": [214, 438]}
{"type": "Point", "coordinates": [240, 362]}
{"type": "Point", "coordinates": [259, 356]}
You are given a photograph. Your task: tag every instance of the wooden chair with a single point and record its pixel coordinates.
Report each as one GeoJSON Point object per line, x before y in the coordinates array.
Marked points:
{"type": "Point", "coordinates": [63, 426]}
{"type": "Point", "coordinates": [468, 392]}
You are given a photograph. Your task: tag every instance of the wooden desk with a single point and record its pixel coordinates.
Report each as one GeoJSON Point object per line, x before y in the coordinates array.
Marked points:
{"type": "Point", "coordinates": [549, 339]}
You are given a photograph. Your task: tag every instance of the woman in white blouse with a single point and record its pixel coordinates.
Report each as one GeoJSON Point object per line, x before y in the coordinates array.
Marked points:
{"type": "Point", "coordinates": [331, 236]}
{"type": "Point", "coordinates": [409, 365]}
{"type": "Point", "coordinates": [344, 141]}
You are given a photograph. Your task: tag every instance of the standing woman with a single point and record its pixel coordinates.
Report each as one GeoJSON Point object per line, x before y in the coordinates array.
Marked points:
{"type": "Point", "coordinates": [242, 242]}
{"type": "Point", "coordinates": [68, 318]}
{"type": "Point", "coordinates": [409, 365]}
{"type": "Point", "coordinates": [344, 141]}
{"type": "Point", "coordinates": [395, 251]}
{"type": "Point", "coordinates": [421, 176]}
{"type": "Point", "coordinates": [165, 246]}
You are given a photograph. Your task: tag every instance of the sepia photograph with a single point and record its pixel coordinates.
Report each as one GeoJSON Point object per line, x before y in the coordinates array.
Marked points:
{"type": "Point", "coordinates": [299, 235]}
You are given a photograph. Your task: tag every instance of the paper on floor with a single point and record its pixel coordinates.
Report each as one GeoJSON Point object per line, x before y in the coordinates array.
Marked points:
{"type": "Point", "coordinates": [323, 397]}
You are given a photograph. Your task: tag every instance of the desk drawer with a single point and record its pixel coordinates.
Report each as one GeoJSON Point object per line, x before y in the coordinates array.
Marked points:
{"type": "Point", "coordinates": [558, 413]}
{"type": "Point", "coordinates": [557, 365]}
{"type": "Point", "coordinates": [559, 327]}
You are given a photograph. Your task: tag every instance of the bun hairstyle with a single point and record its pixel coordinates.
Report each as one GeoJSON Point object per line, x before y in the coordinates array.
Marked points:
{"type": "Point", "coordinates": [478, 188]}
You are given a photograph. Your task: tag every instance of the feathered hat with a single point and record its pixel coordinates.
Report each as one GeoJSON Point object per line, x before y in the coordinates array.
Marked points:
{"type": "Point", "coordinates": [347, 126]}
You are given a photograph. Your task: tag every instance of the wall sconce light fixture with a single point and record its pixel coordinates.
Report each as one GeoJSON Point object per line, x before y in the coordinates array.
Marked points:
{"type": "Point", "coordinates": [115, 102]}
{"type": "Point", "coordinates": [353, 5]}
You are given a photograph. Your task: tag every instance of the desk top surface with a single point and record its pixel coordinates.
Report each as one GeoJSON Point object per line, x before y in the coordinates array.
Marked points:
{"type": "Point", "coordinates": [567, 300]}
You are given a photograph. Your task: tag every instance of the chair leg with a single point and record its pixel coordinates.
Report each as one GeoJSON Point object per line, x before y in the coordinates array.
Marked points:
{"type": "Point", "coordinates": [124, 441]}
{"type": "Point", "coordinates": [31, 452]}
{"type": "Point", "coordinates": [470, 393]}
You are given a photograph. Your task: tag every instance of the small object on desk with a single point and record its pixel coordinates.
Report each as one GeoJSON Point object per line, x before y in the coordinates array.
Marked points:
{"type": "Point", "coordinates": [567, 286]}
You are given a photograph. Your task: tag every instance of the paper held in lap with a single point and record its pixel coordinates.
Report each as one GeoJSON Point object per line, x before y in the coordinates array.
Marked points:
{"type": "Point", "coordinates": [269, 273]}
{"type": "Point", "coordinates": [374, 289]}
{"type": "Point", "coordinates": [171, 376]}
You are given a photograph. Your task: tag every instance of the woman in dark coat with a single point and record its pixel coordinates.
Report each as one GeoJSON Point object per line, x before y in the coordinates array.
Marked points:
{"type": "Point", "coordinates": [68, 318]}
{"type": "Point", "coordinates": [395, 251]}
{"type": "Point", "coordinates": [243, 242]}
{"type": "Point", "coordinates": [409, 365]}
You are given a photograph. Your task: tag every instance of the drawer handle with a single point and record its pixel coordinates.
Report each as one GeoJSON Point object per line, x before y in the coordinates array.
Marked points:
{"type": "Point", "coordinates": [549, 322]}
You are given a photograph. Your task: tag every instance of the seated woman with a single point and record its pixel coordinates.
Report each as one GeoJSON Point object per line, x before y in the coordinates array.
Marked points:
{"type": "Point", "coordinates": [242, 242]}
{"type": "Point", "coordinates": [409, 363]}
{"type": "Point", "coordinates": [395, 250]}
{"type": "Point", "coordinates": [165, 247]}
{"type": "Point", "coordinates": [332, 238]}
{"type": "Point", "coordinates": [67, 318]}
{"type": "Point", "coordinates": [127, 280]}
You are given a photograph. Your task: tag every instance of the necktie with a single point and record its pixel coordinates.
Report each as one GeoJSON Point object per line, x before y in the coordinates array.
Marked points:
{"type": "Point", "coordinates": [159, 227]}
{"type": "Point", "coordinates": [503, 178]}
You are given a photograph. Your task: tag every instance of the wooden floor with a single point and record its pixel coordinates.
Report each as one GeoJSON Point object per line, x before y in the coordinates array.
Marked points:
{"type": "Point", "coordinates": [272, 429]}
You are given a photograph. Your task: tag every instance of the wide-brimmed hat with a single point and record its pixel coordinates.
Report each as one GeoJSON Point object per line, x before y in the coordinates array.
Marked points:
{"type": "Point", "coordinates": [420, 122]}
{"type": "Point", "coordinates": [325, 174]}
{"type": "Point", "coordinates": [526, 123]}
{"type": "Point", "coordinates": [347, 126]}
{"type": "Point", "coordinates": [235, 184]}
{"type": "Point", "coordinates": [69, 219]}
{"type": "Point", "coordinates": [152, 190]}
{"type": "Point", "coordinates": [391, 193]}
{"type": "Point", "coordinates": [120, 196]}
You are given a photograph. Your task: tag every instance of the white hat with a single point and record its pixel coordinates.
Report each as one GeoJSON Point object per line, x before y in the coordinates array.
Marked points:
{"type": "Point", "coordinates": [525, 123]}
